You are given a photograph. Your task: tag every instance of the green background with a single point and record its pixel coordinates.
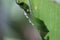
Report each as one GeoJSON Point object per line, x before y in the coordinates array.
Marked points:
{"type": "Point", "coordinates": [49, 12]}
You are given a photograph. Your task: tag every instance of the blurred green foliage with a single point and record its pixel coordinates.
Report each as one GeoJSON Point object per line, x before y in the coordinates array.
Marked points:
{"type": "Point", "coordinates": [49, 12]}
